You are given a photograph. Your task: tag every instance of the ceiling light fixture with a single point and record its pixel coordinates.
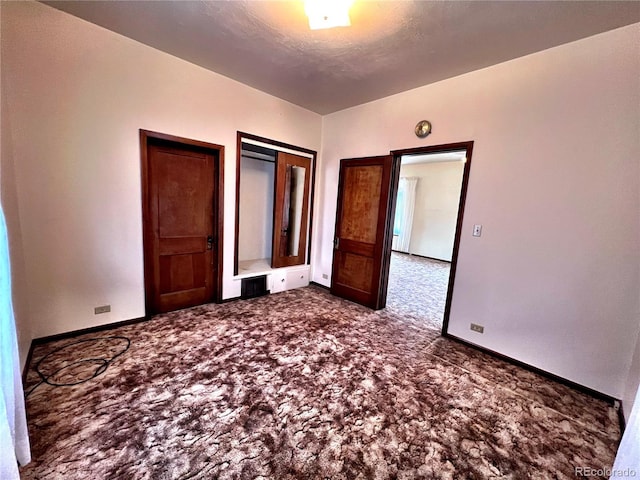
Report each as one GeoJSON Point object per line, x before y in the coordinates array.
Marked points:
{"type": "Point", "coordinates": [328, 13]}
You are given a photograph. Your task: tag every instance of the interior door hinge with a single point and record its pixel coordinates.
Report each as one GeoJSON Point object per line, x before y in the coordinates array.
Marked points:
{"type": "Point", "coordinates": [336, 243]}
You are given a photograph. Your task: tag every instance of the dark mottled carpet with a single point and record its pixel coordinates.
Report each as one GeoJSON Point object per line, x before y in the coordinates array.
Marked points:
{"type": "Point", "coordinates": [302, 385]}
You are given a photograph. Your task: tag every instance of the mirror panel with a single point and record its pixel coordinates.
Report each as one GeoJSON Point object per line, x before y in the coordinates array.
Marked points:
{"type": "Point", "coordinates": [284, 249]}
{"type": "Point", "coordinates": [296, 206]}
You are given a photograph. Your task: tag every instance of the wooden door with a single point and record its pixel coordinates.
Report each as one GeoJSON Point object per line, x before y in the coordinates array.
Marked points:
{"type": "Point", "coordinates": [290, 210]}
{"type": "Point", "coordinates": [181, 262]}
{"type": "Point", "coordinates": [360, 264]}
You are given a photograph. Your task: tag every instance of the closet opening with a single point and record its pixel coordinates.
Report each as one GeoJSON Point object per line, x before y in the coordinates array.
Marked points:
{"type": "Point", "coordinates": [274, 207]}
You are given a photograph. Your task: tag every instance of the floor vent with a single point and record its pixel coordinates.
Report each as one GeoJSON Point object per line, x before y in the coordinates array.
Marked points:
{"type": "Point", "coordinates": [254, 287]}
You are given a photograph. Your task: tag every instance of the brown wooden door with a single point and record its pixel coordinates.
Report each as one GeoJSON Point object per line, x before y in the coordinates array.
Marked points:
{"type": "Point", "coordinates": [180, 231]}
{"type": "Point", "coordinates": [291, 210]}
{"type": "Point", "coordinates": [360, 271]}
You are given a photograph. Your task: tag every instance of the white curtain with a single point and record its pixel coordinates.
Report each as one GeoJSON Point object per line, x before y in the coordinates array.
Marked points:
{"type": "Point", "coordinates": [408, 186]}
{"type": "Point", "coordinates": [14, 439]}
{"type": "Point", "coordinates": [627, 462]}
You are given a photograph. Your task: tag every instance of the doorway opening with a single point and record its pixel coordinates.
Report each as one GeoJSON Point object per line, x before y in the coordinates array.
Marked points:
{"type": "Point", "coordinates": [274, 205]}
{"type": "Point", "coordinates": [182, 218]}
{"type": "Point", "coordinates": [429, 189]}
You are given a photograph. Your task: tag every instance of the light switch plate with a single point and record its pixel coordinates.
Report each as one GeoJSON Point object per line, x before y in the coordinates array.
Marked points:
{"type": "Point", "coordinates": [477, 230]}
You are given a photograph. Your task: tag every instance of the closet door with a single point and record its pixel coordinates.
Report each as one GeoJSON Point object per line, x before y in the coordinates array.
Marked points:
{"type": "Point", "coordinates": [180, 226]}
{"type": "Point", "coordinates": [290, 210]}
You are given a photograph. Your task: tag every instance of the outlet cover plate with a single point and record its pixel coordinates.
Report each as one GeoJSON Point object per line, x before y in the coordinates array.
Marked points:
{"type": "Point", "coordinates": [477, 328]}
{"type": "Point", "coordinates": [102, 309]}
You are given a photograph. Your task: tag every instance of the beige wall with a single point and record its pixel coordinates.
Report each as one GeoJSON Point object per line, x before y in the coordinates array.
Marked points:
{"type": "Point", "coordinates": [77, 95]}
{"type": "Point", "coordinates": [436, 209]}
{"type": "Point", "coordinates": [555, 182]}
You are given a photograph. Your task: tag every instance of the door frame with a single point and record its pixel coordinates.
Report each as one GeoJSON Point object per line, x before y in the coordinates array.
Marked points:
{"type": "Point", "coordinates": [449, 147]}
{"type": "Point", "coordinates": [146, 137]}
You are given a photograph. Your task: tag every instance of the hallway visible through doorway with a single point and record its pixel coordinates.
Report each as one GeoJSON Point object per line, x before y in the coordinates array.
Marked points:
{"type": "Point", "coordinates": [426, 228]}
{"type": "Point", "coordinates": [418, 288]}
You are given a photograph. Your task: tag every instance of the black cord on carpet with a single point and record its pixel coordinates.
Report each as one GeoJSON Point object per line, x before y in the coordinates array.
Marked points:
{"type": "Point", "coordinates": [102, 363]}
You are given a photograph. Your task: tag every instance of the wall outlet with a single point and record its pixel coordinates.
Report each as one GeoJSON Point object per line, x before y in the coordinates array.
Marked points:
{"type": "Point", "coordinates": [477, 328]}
{"type": "Point", "coordinates": [325, 276]}
{"type": "Point", "coordinates": [477, 230]}
{"type": "Point", "coordinates": [102, 309]}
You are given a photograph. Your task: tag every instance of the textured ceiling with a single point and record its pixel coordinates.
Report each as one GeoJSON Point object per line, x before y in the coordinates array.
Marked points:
{"type": "Point", "coordinates": [392, 46]}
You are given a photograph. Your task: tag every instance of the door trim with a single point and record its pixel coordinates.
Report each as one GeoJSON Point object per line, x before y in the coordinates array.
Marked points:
{"type": "Point", "coordinates": [147, 136]}
{"type": "Point", "coordinates": [388, 232]}
{"type": "Point", "coordinates": [449, 147]}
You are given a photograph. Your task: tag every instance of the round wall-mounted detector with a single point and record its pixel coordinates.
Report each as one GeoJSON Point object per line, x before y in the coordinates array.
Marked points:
{"type": "Point", "coordinates": [423, 128]}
